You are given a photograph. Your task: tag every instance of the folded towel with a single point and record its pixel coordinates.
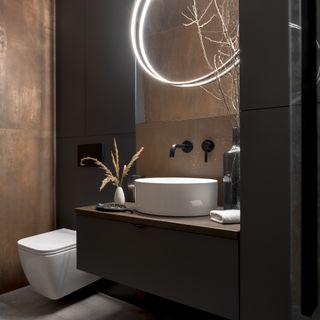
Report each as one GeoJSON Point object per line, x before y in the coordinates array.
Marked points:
{"type": "Point", "coordinates": [225, 216]}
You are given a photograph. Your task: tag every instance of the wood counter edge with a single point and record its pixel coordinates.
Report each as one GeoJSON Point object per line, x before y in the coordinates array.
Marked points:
{"type": "Point", "coordinates": [199, 225]}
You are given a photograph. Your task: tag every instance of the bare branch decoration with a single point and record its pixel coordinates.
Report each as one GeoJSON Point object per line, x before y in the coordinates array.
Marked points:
{"type": "Point", "coordinates": [227, 41]}
{"type": "Point", "coordinates": [200, 25]}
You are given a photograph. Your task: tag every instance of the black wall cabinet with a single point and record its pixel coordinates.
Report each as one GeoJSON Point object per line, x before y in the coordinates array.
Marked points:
{"type": "Point", "coordinates": [95, 84]}
{"type": "Point", "coordinates": [265, 161]}
{"type": "Point", "coordinates": [264, 44]}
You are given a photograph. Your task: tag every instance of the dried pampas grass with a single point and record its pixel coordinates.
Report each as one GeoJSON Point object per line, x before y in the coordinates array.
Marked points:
{"type": "Point", "coordinates": [115, 159]}
{"type": "Point", "coordinates": [116, 179]}
{"type": "Point", "coordinates": [126, 168]}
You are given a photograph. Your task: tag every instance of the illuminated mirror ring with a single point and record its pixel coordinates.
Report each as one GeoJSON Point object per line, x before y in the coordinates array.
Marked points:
{"type": "Point", "coordinates": [139, 15]}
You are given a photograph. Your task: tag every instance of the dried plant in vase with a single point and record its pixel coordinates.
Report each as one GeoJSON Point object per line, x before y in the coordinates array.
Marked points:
{"type": "Point", "coordinates": [117, 178]}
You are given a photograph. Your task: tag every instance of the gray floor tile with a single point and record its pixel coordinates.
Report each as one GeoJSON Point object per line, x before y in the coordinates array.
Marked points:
{"type": "Point", "coordinates": [99, 307]}
{"type": "Point", "coordinates": [25, 304]}
{"type": "Point", "coordinates": [102, 300]}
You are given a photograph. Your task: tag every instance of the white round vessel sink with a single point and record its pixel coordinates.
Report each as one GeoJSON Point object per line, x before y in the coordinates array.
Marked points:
{"type": "Point", "coordinates": [183, 197]}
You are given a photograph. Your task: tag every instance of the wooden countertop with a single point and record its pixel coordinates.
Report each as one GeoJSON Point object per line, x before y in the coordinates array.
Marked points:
{"type": "Point", "coordinates": [201, 225]}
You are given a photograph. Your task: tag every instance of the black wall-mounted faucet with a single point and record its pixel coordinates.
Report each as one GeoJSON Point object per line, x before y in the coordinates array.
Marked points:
{"type": "Point", "coordinates": [207, 146]}
{"type": "Point", "coordinates": [186, 147]}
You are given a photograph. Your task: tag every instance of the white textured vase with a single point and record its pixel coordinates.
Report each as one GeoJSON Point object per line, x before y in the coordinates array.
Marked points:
{"type": "Point", "coordinates": [119, 197]}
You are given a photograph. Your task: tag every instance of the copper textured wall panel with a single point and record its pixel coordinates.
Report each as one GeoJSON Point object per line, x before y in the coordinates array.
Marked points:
{"type": "Point", "coordinates": [26, 129]}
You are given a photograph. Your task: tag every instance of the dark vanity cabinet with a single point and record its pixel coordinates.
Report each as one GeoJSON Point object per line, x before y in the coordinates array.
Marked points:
{"type": "Point", "coordinates": [188, 260]}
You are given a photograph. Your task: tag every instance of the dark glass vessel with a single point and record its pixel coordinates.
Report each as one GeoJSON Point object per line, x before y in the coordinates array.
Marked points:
{"type": "Point", "coordinates": [231, 173]}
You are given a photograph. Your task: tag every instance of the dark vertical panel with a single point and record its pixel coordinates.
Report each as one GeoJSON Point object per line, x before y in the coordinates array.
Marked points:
{"type": "Point", "coordinates": [318, 146]}
{"type": "Point", "coordinates": [309, 153]}
{"type": "Point", "coordinates": [264, 43]}
{"type": "Point", "coordinates": [265, 221]}
{"type": "Point", "coordinates": [70, 61]}
{"type": "Point", "coordinates": [110, 67]}
{"type": "Point", "coordinates": [95, 96]}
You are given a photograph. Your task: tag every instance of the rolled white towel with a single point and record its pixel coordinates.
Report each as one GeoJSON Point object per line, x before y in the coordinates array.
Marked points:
{"type": "Point", "coordinates": [225, 216]}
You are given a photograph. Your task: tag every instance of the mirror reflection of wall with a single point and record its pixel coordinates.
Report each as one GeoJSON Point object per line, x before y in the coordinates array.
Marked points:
{"type": "Point", "coordinates": [184, 40]}
{"type": "Point", "coordinates": [187, 39]}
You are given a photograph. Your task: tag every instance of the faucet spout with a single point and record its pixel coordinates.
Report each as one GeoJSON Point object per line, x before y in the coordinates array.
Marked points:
{"type": "Point", "coordinates": [186, 147]}
{"type": "Point", "coordinates": [173, 149]}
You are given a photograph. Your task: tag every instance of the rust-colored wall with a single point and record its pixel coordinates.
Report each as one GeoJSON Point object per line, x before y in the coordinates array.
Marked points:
{"type": "Point", "coordinates": [26, 129]}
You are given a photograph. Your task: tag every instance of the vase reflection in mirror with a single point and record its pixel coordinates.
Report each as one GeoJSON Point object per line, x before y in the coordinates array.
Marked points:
{"type": "Point", "coordinates": [231, 173]}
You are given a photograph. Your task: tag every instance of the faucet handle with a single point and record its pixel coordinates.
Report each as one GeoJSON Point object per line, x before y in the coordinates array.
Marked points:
{"type": "Point", "coordinates": [207, 146]}
{"type": "Point", "coordinates": [187, 146]}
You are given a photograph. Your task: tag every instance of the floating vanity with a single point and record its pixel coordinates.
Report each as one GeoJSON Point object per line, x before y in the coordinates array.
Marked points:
{"type": "Point", "coordinates": [190, 260]}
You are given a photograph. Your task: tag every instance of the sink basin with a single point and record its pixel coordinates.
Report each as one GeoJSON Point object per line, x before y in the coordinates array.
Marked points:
{"type": "Point", "coordinates": [183, 197]}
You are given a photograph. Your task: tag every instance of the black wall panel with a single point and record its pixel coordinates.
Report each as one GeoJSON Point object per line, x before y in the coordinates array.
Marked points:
{"type": "Point", "coordinates": [70, 72]}
{"type": "Point", "coordinates": [77, 186]}
{"type": "Point", "coordinates": [265, 160]}
{"type": "Point", "coordinates": [265, 215]}
{"type": "Point", "coordinates": [264, 43]}
{"type": "Point", "coordinates": [110, 67]}
{"type": "Point", "coordinates": [95, 96]}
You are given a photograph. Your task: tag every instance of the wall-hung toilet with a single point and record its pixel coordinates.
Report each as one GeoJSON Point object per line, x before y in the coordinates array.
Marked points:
{"type": "Point", "coordinates": [49, 263]}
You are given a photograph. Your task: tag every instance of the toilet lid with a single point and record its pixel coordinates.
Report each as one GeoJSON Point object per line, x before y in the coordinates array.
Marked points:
{"type": "Point", "coordinates": [50, 242]}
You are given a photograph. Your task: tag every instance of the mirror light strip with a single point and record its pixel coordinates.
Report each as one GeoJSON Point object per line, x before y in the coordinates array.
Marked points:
{"type": "Point", "coordinates": [139, 14]}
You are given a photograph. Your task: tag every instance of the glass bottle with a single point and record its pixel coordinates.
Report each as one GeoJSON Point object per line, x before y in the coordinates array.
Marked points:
{"type": "Point", "coordinates": [231, 173]}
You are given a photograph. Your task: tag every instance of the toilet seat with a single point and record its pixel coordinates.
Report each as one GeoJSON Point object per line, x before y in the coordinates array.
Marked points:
{"type": "Point", "coordinates": [50, 243]}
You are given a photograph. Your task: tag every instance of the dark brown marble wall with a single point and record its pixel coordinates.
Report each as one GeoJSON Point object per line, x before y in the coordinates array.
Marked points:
{"type": "Point", "coordinates": [26, 129]}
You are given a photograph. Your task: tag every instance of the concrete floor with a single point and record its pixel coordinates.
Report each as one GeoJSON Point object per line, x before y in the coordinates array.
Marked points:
{"type": "Point", "coordinates": [25, 304]}
{"type": "Point", "coordinates": [102, 301]}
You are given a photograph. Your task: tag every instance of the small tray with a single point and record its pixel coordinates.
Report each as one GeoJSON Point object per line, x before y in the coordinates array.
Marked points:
{"type": "Point", "coordinates": [112, 207]}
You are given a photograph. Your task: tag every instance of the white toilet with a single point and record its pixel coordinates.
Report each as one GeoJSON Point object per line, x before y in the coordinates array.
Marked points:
{"type": "Point", "coordinates": [49, 263]}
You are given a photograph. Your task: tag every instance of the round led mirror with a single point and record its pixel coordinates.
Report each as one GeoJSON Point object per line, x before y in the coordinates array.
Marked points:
{"type": "Point", "coordinates": [186, 43]}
